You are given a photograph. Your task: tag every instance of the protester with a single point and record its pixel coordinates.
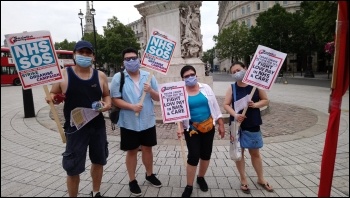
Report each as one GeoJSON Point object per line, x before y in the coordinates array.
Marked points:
{"type": "Point", "coordinates": [82, 86]}
{"type": "Point", "coordinates": [200, 129]}
{"type": "Point", "coordinates": [136, 121]}
{"type": "Point", "coordinates": [250, 122]}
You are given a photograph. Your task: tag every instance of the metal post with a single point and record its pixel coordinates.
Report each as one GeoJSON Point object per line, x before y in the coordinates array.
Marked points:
{"type": "Point", "coordinates": [28, 103]}
{"type": "Point", "coordinates": [93, 12]}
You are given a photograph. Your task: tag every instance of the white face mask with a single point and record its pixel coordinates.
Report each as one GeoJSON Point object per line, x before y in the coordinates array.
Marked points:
{"type": "Point", "coordinates": [238, 76]}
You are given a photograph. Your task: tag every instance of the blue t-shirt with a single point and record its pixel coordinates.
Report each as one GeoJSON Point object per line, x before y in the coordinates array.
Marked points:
{"type": "Point", "coordinates": [199, 108]}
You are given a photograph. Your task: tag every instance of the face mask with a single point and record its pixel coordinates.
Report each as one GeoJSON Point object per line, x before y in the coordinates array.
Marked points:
{"type": "Point", "coordinates": [191, 81]}
{"type": "Point", "coordinates": [83, 61]}
{"type": "Point", "coordinates": [238, 76]}
{"type": "Point", "coordinates": [132, 65]}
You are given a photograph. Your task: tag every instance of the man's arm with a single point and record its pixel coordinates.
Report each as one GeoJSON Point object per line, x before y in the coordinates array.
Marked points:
{"type": "Point", "coordinates": [106, 98]}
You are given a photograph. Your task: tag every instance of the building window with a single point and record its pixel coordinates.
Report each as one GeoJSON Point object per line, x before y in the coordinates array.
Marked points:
{"type": "Point", "coordinates": [235, 14]}
{"type": "Point", "coordinates": [248, 23]}
{"type": "Point", "coordinates": [265, 4]}
{"type": "Point", "coordinates": [243, 10]}
{"type": "Point", "coordinates": [258, 6]}
{"type": "Point", "coordinates": [285, 2]}
{"type": "Point", "coordinates": [248, 9]}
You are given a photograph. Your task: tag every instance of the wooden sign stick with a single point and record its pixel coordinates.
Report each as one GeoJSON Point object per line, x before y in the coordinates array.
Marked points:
{"type": "Point", "coordinates": [144, 93]}
{"type": "Point", "coordinates": [55, 115]}
{"type": "Point", "coordinates": [182, 145]}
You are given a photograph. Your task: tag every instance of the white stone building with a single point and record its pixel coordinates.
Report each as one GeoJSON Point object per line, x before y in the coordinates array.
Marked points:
{"type": "Point", "coordinates": [137, 27]}
{"type": "Point", "coordinates": [88, 27]}
{"type": "Point", "coordinates": [246, 12]}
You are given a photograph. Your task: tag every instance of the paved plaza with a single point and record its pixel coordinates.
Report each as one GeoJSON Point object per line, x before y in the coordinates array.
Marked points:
{"type": "Point", "coordinates": [294, 134]}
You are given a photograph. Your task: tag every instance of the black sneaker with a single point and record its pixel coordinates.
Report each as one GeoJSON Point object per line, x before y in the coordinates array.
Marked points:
{"type": "Point", "coordinates": [188, 191]}
{"type": "Point", "coordinates": [135, 188]}
{"type": "Point", "coordinates": [97, 194]}
{"type": "Point", "coordinates": [153, 180]}
{"type": "Point", "coordinates": [202, 184]}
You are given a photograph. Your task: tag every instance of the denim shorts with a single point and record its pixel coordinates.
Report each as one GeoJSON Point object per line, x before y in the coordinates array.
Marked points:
{"type": "Point", "coordinates": [74, 157]}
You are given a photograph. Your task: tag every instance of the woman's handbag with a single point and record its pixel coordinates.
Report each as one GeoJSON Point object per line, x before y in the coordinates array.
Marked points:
{"type": "Point", "coordinates": [235, 147]}
{"type": "Point", "coordinates": [204, 126]}
{"type": "Point", "coordinates": [251, 140]}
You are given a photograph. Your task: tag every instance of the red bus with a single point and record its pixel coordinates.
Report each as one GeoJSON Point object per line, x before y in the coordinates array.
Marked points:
{"type": "Point", "coordinates": [65, 58]}
{"type": "Point", "coordinates": [8, 69]}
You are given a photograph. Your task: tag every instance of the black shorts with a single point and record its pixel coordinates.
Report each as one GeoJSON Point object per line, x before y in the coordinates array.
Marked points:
{"type": "Point", "coordinates": [130, 140]}
{"type": "Point", "coordinates": [74, 157]}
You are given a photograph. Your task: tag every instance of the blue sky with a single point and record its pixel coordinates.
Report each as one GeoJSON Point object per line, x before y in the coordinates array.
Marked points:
{"type": "Point", "coordinates": [61, 17]}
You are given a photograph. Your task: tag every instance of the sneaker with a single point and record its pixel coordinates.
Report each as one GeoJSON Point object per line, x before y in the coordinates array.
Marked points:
{"type": "Point", "coordinates": [97, 194]}
{"type": "Point", "coordinates": [202, 184]}
{"type": "Point", "coordinates": [135, 188]}
{"type": "Point", "coordinates": [188, 191]}
{"type": "Point", "coordinates": [153, 180]}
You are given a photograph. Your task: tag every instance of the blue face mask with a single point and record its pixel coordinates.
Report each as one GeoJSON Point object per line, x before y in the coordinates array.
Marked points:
{"type": "Point", "coordinates": [83, 61]}
{"type": "Point", "coordinates": [191, 81]}
{"type": "Point", "coordinates": [132, 65]}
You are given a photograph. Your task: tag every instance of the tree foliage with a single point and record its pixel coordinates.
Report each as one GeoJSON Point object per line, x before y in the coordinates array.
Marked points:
{"type": "Point", "coordinates": [117, 37]}
{"type": "Point", "coordinates": [208, 56]}
{"type": "Point", "coordinates": [232, 41]}
{"type": "Point", "coordinates": [274, 29]}
{"type": "Point", "coordinates": [65, 45]}
{"type": "Point", "coordinates": [320, 18]}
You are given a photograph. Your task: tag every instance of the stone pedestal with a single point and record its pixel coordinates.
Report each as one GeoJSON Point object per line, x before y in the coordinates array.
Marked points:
{"type": "Point", "coordinates": [169, 17]}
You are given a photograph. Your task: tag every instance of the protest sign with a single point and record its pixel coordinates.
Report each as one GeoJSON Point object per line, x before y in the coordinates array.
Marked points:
{"type": "Point", "coordinates": [174, 102]}
{"type": "Point", "coordinates": [264, 67]}
{"type": "Point", "coordinates": [35, 58]}
{"type": "Point", "coordinates": [159, 51]}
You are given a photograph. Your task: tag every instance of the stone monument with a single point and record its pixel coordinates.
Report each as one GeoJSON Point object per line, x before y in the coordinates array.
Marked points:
{"type": "Point", "coordinates": [181, 20]}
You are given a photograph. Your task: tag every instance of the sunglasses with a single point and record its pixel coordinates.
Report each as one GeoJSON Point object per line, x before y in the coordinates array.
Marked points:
{"type": "Point", "coordinates": [189, 75]}
{"type": "Point", "coordinates": [130, 58]}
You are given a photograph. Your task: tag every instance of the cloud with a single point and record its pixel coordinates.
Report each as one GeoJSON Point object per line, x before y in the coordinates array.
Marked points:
{"type": "Point", "coordinates": [61, 17]}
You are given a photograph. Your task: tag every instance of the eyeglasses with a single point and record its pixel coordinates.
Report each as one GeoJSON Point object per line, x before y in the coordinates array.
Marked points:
{"type": "Point", "coordinates": [187, 76]}
{"type": "Point", "coordinates": [130, 58]}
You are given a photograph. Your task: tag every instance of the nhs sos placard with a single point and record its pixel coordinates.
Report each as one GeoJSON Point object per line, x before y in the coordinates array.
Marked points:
{"type": "Point", "coordinates": [159, 51]}
{"type": "Point", "coordinates": [35, 59]}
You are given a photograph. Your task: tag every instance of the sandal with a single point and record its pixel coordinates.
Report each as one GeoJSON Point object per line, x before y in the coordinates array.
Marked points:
{"type": "Point", "coordinates": [266, 186]}
{"type": "Point", "coordinates": [245, 188]}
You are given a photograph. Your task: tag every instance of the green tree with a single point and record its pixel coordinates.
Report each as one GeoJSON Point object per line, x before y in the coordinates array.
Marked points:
{"type": "Point", "coordinates": [274, 28]}
{"type": "Point", "coordinates": [117, 37]}
{"type": "Point", "coordinates": [209, 56]}
{"type": "Point", "coordinates": [100, 40]}
{"type": "Point", "coordinates": [320, 17]}
{"type": "Point", "coordinates": [65, 45]}
{"type": "Point", "coordinates": [231, 41]}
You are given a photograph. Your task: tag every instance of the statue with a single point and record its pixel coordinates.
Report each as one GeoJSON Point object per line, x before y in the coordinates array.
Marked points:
{"type": "Point", "coordinates": [191, 44]}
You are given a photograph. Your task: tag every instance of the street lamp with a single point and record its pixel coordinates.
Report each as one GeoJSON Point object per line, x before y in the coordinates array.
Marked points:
{"type": "Point", "coordinates": [81, 16]}
{"type": "Point", "coordinates": [93, 13]}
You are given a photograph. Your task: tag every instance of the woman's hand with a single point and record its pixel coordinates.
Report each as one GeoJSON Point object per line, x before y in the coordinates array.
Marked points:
{"type": "Point", "coordinates": [239, 117]}
{"type": "Point", "coordinates": [251, 104]}
{"type": "Point", "coordinates": [222, 130]}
